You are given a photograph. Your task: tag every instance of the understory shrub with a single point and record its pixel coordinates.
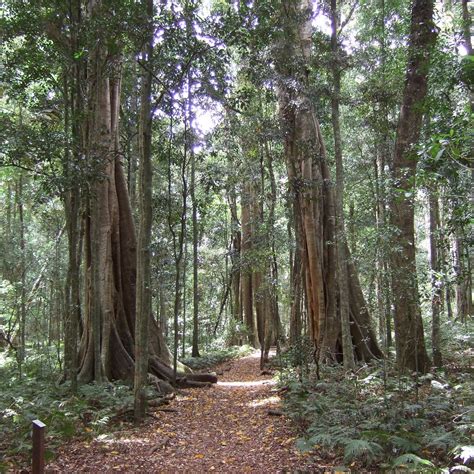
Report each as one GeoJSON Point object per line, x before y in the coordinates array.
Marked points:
{"type": "Point", "coordinates": [217, 356]}
{"type": "Point", "coordinates": [37, 395]}
{"type": "Point", "coordinates": [374, 419]}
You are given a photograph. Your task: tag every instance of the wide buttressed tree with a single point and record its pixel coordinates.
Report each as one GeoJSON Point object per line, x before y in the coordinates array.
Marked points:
{"type": "Point", "coordinates": [313, 195]}
{"type": "Point", "coordinates": [107, 345]}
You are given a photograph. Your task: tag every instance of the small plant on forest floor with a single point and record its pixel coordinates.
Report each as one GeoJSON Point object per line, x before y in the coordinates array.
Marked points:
{"type": "Point", "coordinates": [368, 419]}
{"type": "Point", "coordinates": [217, 356]}
{"type": "Point", "coordinates": [30, 397]}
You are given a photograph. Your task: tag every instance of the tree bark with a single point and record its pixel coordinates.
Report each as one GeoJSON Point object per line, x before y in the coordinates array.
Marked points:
{"type": "Point", "coordinates": [72, 200]}
{"type": "Point", "coordinates": [236, 267]}
{"type": "Point", "coordinates": [276, 334]}
{"type": "Point", "coordinates": [22, 302]}
{"type": "Point", "coordinates": [246, 267]}
{"type": "Point", "coordinates": [314, 200]}
{"type": "Point", "coordinates": [296, 278]}
{"type": "Point", "coordinates": [107, 347]}
{"type": "Point", "coordinates": [462, 276]}
{"type": "Point", "coordinates": [342, 276]}
{"type": "Point", "coordinates": [178, 245]}
{"type": "Point", "coordinates": [467, 39]}
{"type": "Point", "coordinates": [409, 338]}
{"type": "Point", "coordinates": [143, 282]}
{"type": "Point", "coordinates": [436, 288]}
{"type": "Point", "coordinates": [195, 345]}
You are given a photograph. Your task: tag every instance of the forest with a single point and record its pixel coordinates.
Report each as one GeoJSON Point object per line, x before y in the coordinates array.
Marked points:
{"type": "Point", "coordinates": [237, 235]}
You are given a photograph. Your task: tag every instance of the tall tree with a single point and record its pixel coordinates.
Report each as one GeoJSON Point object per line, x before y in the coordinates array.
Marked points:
{"type": "Point", "coordinates": [236, 267]}
{"type": "Point", "coordinates": [247, 285]}
{"type": "Point", "coordinates": [436, 289]}
{"type": "Point", "coordinates": [410, 344]}
{"type": "Point", "coordinates": [194, 204]}
{"type": "Point", "coordinates": [341, 243]}
{"type": "Point", "coordinates": [143, 284]}
{"type": "Point", "coordinates": [107, 347]}
{"type": "Point", "coordinates": [313, 196]}
{"type": "Point", "coordinates": [22, 269]}
{"type": "Point", "coordinates": [467, 39]}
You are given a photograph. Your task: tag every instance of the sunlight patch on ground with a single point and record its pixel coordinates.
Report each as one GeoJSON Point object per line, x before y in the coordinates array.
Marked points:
{"type": "Point", "coordinates": [252, 383]}
{"type": "Point", "coordinates": [264, 401]}
{"type": "Point", "coordinates": [253, 355]}
{"type": "Point", "coordinates": [257, 354]}
{"type": "Point", "coordinates": [105, 439]}
{"type": "Point", "coordinates": [185, 398]}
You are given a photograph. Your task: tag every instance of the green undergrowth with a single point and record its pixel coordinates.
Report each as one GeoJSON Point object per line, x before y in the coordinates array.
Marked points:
{"type": "Point", "coordinates": [96, 409]}
{"type": "Point", "coordinates": [85, 415]}
{"type": "Point", "coordinates": [215, 357]}
{"type": "Point", "coordinates": [373, 420]}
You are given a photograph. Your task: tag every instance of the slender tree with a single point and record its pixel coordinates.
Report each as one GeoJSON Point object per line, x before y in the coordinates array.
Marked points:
{"type": "Point", "coordinates": [195, 344]}
{"type": "Point", "coordinates": [143, 298]}
{"type": "Point", "coordinates": [22, 268]}
{"type": "Point", "coordinates": [436, 289]}
{"type": "Point", "coordinates": [342, 275]}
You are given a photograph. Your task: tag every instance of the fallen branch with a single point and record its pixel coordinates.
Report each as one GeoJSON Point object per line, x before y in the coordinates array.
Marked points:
{"type": "Point", "coordinates": [163, 445]}
{"type": "Point", "coordinates": [158, 402]}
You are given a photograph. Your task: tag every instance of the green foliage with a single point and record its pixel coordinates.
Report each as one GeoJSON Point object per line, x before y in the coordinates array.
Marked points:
{"type": "Point", "coordinates": [370, 418]}
{"type": "Point", "coordinates": [217, 356]}
{"type": "Point", "coordinates": [36, 396]}
{"type": "Point", "coordinates": [411, 461]}
{"type": "Point", "coordinates": [376, 419]}
{"type": "Point", "coordinates": [361, 450]}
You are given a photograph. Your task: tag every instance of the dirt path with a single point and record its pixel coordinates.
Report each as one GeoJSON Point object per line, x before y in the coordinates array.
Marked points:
{"type": "Point", "coordinates": [225, 428]}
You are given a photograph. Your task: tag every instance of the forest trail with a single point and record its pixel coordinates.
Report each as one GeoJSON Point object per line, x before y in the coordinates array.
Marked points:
{"type": "Point", "coordinates": [225, 428]}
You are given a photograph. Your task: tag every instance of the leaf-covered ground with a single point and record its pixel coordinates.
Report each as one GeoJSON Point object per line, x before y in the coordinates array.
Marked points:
{"type": "Point", "coordinates": [225, 428]}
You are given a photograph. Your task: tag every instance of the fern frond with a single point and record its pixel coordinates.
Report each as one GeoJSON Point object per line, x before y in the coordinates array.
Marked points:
{"type": "Point", "coordinates": [411, 460]}
{"type": "Point", "coordinates": [403, 444]}
{"type": "Point", "coordinates": [361, 449]}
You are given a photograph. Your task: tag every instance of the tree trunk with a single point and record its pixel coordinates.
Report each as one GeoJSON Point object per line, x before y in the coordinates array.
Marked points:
{"type": "Point", "coordinates": [257, 267]}
{"type": "Point", "coordinates": [163, 312]}
{"type": "Point", "coordinates": [236, 267]}
{"type": "Point", "coordinates": [342, 276]}
{"type": "Point", "coordinates": [184, 287]}
{"type": "Point", "coordinates": [436, 287]}
{"type": "Point", "coordinates": [462, 276]}
{"type": "Point", "coordinates": [275, 335]}
{"type": "Point", "coordinates": [195, 347]}
{"type": "Point", "coordinates": [108, 345]}
{"type": "Point", "coordinates": [22, 302]}
{"type": "Point", "coordinates": [409, 338]}
{"type": "Point", "coordinates": [143, 282]}
{"type": "Point", "coordinates": [296, 280]}
{"type": "Point", "coordinates": [314, 201]}
{"type": "Point", "coordinates": [246, 267]}
{"type": "Point", "coordinates": [467, 39]}
{"type": "Point", "coordinates": [134, 144]}
{"type": "Point", "coordinates": [72, 204]}
{"type": "Point", "coordinates": [178, 247]}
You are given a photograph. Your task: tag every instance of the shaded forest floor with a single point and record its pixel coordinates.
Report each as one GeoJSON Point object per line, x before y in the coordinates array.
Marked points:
{"type": "Point", "coordinates": [225, 428]}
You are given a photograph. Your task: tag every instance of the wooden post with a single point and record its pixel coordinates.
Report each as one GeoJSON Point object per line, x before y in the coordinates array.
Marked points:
{"type": "Point", "coordinates": [38, 446]}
